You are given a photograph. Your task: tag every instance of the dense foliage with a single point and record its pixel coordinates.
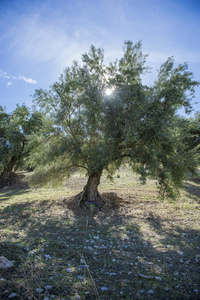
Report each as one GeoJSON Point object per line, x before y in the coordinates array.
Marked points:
{"type": "Point", "coordinates": [14, 131]}
{"type": "Point", "coordinates": [135, 124]}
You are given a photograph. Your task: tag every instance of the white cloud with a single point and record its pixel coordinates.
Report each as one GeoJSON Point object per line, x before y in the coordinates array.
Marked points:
{"type": "Point", "coordinates": [6, 76]}
{"type": "Point", "coordinates": [28, 80]}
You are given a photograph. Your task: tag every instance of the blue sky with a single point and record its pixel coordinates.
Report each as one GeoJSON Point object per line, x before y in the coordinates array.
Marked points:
{"type": "Point", "coordinates": [39, 39]}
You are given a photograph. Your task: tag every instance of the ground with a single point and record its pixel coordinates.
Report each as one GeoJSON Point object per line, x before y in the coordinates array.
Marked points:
{"type": "Point", "coordinates": [137, 247]}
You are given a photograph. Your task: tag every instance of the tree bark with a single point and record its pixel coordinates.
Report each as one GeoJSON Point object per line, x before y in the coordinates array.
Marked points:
{"type": "Point", "coordinates": [90, 197]}
{"type": "Point", "coordinates": [7, 177]}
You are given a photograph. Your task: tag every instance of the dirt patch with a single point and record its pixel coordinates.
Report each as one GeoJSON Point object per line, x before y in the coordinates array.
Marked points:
{"type": "Point", "coordinates": [112, 202]}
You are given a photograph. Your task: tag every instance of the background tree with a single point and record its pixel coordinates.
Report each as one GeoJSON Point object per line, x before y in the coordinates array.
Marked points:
{"type": "Point", "coordinates": [135, 123]}
{"type": "Point", "coordinates": [14, 130]}
{"type": "Point", "coordinates": [194, 130]}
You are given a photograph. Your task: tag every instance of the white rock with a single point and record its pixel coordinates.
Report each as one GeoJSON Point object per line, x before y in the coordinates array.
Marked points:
{"type": "Point", "coordinates": [5, 263]}
{"type": "Point", "coordinates": [13, 295]}
{"type": "Point", "coordinates": [32, 252]}
{"type": "Point", "coordinates": [113, 259]}
{"type": "Point", "coordinates": [69, 270]}
{"type": "Point", "coordinates": [150, 292]}
{"type": "Point", "coordinates": [196, 291]}
{"type": "Point", "coordinates": [38, 290]}
{"type": "Point", "coordinates": [176, 273]}
{"type": "Point", "coordinates": [184, 234]}
{"type": "Point", "coordinates": [104, 289]}
{"type": "Point", "coordinates": [2, 279]}
{"type": "Point", "coordinates": [48, 287]}
{"type": "Point", "coordinates": [90, 248]}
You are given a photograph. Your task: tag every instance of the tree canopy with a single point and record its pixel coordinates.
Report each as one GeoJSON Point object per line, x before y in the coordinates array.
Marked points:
{"type": "Point", "coordinates": [135, 123]}
{"type": "Point", "coordinates": [14, 131]}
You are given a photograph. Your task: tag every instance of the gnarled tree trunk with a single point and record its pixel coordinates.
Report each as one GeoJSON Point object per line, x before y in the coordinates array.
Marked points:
{"type": "Point", "coordinates": [90, 197]}
{"type": "Point", "coordinates": [7, 177]}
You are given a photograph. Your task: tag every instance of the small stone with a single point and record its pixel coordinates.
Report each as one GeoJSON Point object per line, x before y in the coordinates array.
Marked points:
{"type": "Point", "coordinates": [38, 290]}
{"type": "Point", "coordinates": [13, 295]}
{"type": "Point", "coordinates": [69, 270]}
{"type": "Point", "coordinates": [176, 273]}
{"type": "Point", "coordinates": [166, 289]}
{"type": "Point", "coordinates": [32, 252]}
{"type": "Point", "coordinates": [48, 287]}
{"type": "Point", "coordinates": [48, 256]}
{"type": "Point", "coordinates": [27, 212]}
{"type": "Point", "coordinates": [46, 298]}
{"type": "Point", "coordinates": [90, 248]}
{"type": "Point", "coordinates": [150, 292]}
{"type": "Point", "coordinates": [5, 263]}
{"type": "Point", "coordinates": [184, 234]}
{"type": "Point", "coordinates": [196, 291]}
{"type": "Point", "coordinates": [104, 289]}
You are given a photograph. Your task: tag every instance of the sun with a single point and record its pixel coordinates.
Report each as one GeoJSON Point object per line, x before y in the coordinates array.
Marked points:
{"type": "Point", "coordinates": [109, 91]}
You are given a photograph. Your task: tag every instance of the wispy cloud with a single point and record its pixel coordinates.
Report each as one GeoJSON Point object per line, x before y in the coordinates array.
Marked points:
{"type": "Point", "coordinates": [9, 83]}
{"type": "Point", "coordinates": [6, 76]}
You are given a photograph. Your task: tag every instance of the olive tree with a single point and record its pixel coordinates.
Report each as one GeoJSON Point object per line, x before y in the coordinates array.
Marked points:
{"type": "Point", "coordinates": [15, 127]}
{"type": "Point", "coordinates": [103, 115]}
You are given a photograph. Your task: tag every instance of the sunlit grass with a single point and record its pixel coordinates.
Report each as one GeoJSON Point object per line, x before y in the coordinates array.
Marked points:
{"type": "Point", "coordinates": [141, 236]}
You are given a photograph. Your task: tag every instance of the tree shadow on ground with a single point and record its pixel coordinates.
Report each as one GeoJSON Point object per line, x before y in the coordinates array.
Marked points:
{"type": "Point", "coordinates": [192, 187]}
{"type": "Point", "coordinates": [18, 188]}
{"type": "Point", "coordinates": [105, 256]}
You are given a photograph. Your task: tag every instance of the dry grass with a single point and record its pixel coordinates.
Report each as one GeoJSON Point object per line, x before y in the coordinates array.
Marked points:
{"type": "Point", "coordinates": [137, 247]}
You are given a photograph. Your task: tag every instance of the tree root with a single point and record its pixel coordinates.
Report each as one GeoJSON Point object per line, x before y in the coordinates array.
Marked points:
{"type": "Point", "coordinates": [92, 204]}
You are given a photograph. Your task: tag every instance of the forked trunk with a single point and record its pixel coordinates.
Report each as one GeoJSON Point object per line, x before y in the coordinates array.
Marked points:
{"type": "Point", "coordinates": [90, 197]}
